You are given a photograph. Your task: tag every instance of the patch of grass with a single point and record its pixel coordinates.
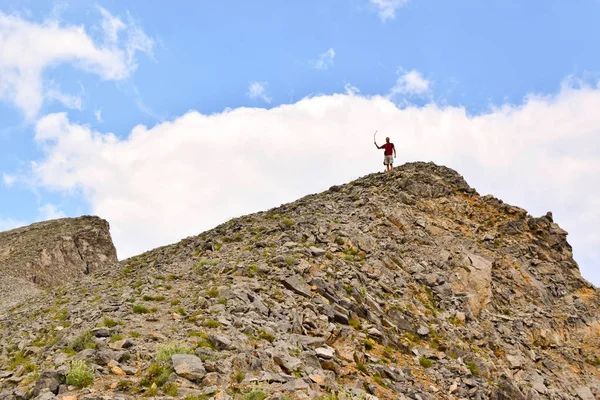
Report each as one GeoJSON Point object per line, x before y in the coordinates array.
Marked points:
{"type": "Point", "coordinates": [368, 345]}
{"type": "Point", "coordinates": [355, 324]}
{"type": "Point", "coordinates": [153, 298]}
{"type": "Point", "coordinates": [213, 292]}
{"type": "Point", "coordinates": [170, 390]}
{"type": "Point", "coordinates": [266, 336]}
{"type": "Point", "coordinates": [83, 341]}
{"type": "Point", "coordinates": [252, 270]}
{"type": "Point", "coordinates": [377, 379]}
{"type": "Point", "coordinates": [140, 309]}
{"type": "Point", "coordinates": [473, 368]}
{"type": "Point", "coordinates": [124, 385]}
{"type": "Point", "coordinates": [116, 337]}
{"type": "Point", "coordinates": [80, 374]}
{"type": "Point", "coordinates": [61, 315]}
{"type": "Point", "coordinates": [110, 323]}
{"type": "Point", "coordinates": [256, 395]}
{"type": "Point", "coordinates": [163, 356]}
{"type": "Point", "coordinates": [137, 285]}
{"type": "Point", "coordinates": [425, 362]}
{"type": "Point", "coordinates": [361, 367]}
{"type": "Point", "coordinates": [156, 373]}
{"type": "Point", "coordinates": [211, 323]}
{"type": "Point", "coordinates": [290, 260]}
{"type": "Point", "coordinates": [239, 376]}
{"type": "Point", "coordinates": [180, 311]}
{"type": "Point", "coordinates": [134, 334]}
{"type": "Point", "coordinates": [199, 397]}
{"type": "Point", "coordinates": [18, 359]}
{"type": "Point", "coordinates": [593, 361]}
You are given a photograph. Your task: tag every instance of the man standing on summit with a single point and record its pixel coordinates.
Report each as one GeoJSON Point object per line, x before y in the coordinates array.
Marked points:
{"type": "Point", "coordinates": [388, 160]}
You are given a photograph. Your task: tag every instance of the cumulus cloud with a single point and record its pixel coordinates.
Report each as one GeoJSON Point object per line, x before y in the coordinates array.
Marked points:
{"type": "Point", "coordinates": [325, 59]}
{"type": "Point", "coordinates": [159, 184]}
{"type": "Point", "coordinates": [258, 90]}
{"type": "Point", "coordinates": [28, 48]}
{"type": "Point", "coordinates": [98, 115]}
{"type": "Point", "coordinates": [411, 83]}
{"type": "Point", "coordinates": [387, 8]}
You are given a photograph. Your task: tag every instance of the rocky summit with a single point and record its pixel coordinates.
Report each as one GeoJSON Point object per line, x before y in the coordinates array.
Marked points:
{"type": "Point", "coordinates": [51, 253]}
{"type": "Point", "coordinates": [407, 285]}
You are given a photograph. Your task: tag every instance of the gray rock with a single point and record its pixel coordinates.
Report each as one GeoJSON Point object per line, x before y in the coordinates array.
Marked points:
{"type": "Point", "coordinates": [325, 352]}
{"type": "Point", "coordinates": [48, 380]}
{"type": "Point", "coordinates": [584, 393]}
{"type": "Point", "coordinates": [188, 366]}
{"type": "Point", "coordinates": [423, 331]}
{"type": "Point", "coordinates": [101, 332]}
{"type": "Point", "coordinates": [295, 284]}
{"type": "Point", "coordinates": [315, 251]}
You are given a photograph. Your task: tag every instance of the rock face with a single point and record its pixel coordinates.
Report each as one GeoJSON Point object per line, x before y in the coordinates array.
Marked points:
{"type": "Point", "coordinates": [51, 253]}
{"type": "Point", "coordinates": [407, 285]}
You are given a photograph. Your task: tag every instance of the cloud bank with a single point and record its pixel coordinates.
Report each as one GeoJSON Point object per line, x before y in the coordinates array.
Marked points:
{"type": "Point", "coordinates": [28, 48]}
{"type": "Point", "coordinates": [157, 185]}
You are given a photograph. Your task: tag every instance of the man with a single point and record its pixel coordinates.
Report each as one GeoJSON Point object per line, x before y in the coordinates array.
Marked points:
{"type": "Point", "coordinates": [388, 160]}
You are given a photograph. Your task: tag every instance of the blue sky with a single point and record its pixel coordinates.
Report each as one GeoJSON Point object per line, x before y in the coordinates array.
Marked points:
{"type": "Point", "coordinates": [112, 65]}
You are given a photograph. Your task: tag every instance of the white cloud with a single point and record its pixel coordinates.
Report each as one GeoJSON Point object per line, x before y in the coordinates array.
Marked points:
{"type": "Point", "coordinates": [28, 48]}
{"type": "Point", "coordinates": [351, 89]}
{"type": "Point", "coordinates": [325, 59]}
{"type": "Point", "coordinates": [8, 180]}
{"type": "Point", "coordinates": [70, 101]}
{"type": "Point", "coordinates": [258, 90]}
{"type": "Point", "coordinates": [98, 115]}
{"type": "Point", "coordinates": [50, 211]}
{"type": "Point", "coordinates": [157, 185]}
{"type": "Point", "coordinates": [387, 8]}
{"type": "Point", "coordinates": [411, 83]}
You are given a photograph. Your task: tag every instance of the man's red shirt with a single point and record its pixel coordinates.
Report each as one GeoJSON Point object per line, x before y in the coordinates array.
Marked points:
{"type": "Point", "coordinates": [389, 147]}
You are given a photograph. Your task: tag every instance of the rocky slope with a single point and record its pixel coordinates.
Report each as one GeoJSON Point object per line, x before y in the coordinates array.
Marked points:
{"type": "Point", "coordinates": [406, 285]}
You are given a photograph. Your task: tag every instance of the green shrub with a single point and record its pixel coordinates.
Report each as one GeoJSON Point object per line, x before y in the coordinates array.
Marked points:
{"type": "Point", "coordinates": [368, 345]}
{"type": "Point", "coordinates": [80, 374]}
{"type": "Point", "coordinates": [211, 323]}
{"type": "Point", "coordinates": [213, 292]}
{"type": "Point", "coordinates": [355, 324]}
{"type": "Point", "coordinates": [116, 337]}
{"type": "Point", "coordinates": [239, 376]}
{"type": "Point", "coordinates": [153, 298]}
{"type": "Point", "coordinates": [170, 390]}
{"type": "Point", "coordinates": [473, 368]}
{"type": "Point", "coordinates": [163, 356]}
{"type": "Point", "coordinates": [18, 359]}
{"type": "Point", "coordinates": [139, 309]}
{"type": "Point", "coordinates": [266, 336]}
{"type": "Point", "coordinates": [109, 323]}
{"type": "Point", "coordinates": [425, 362]}
{"type": "Point", "coordinates": [256, 395]}
{"type": "Point", "coordinates": [83, 341]}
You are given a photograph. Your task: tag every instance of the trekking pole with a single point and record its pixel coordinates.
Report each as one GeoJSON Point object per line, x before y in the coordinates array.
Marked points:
{"type": "Point", "coordinates": [374, 137]}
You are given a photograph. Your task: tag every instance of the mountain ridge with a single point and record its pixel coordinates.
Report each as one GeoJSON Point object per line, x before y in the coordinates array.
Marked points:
{"type": "Point", "coordinates": [404, 285]}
